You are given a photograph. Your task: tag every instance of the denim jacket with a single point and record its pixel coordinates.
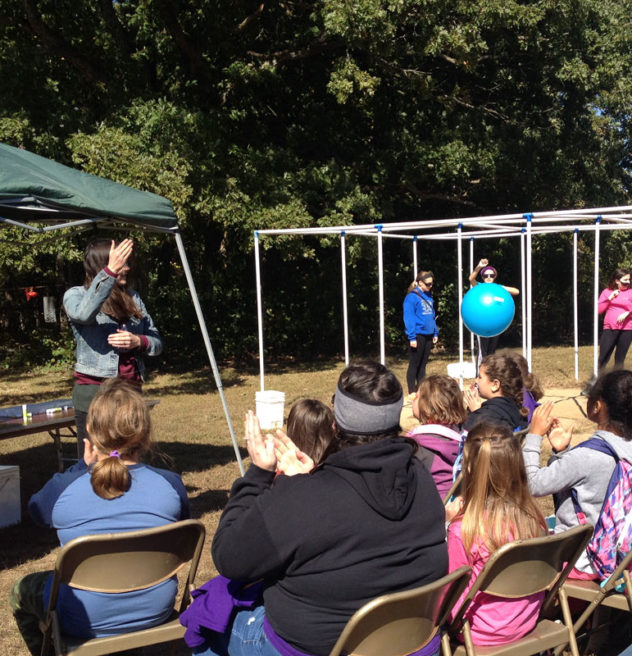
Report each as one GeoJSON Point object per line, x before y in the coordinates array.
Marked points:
{"type": "Point", "coordinates": [91, 327]}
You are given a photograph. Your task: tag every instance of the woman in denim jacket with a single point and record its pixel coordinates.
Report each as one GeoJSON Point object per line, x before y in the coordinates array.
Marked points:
{"type": "Point", "coordinates": [110, 324]}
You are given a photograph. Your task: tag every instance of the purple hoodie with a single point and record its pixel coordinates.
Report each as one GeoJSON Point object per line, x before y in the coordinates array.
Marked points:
{"type": "Point", "coordinates": [443, 442]}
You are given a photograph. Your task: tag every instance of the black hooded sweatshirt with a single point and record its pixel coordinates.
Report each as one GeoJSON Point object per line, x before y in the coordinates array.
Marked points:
{"type": "Point", "coordinates": [368, 521]}
{"type": "Point", "coordinates": [500, 410]}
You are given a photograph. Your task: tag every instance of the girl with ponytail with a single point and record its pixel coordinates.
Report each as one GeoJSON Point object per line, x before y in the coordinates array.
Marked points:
{"type": "Point", "coordinates": [496, 508]}
{"type": "Point", "coordinates": [108, 491]}
{"type": "Point", "coordinates": [498, 396]}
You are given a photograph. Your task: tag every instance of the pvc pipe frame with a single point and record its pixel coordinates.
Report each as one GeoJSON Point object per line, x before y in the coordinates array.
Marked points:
{"type": "Point", "coordinates": [509, 225]}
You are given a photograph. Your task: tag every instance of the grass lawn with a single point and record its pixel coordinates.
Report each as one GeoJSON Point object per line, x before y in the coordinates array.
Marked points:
{"type": "Point", "coordinates": [189, 427]}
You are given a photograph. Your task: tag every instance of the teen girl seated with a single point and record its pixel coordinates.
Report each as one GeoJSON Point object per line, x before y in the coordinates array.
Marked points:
{"type": "Point", "coordinates": [495, 508]}
{"type": "Point", "coordinates": [440, 409]}
{"type": "Point", "coordinates": [583, 469]}
{"type": "Point", "coordinates": [532, 391]}
{"type": "Point", "coordinates": [106, 492]}
{"type": "Point", "coordinates": [498, 396]}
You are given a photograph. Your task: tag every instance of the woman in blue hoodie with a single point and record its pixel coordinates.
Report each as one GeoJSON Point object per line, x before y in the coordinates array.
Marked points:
{"type": "Point", "coordinates": [421, 327]}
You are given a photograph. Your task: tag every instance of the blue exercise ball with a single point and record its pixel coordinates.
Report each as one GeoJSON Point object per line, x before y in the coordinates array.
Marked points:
{"type": "Point", "coordinates": [487, 309]}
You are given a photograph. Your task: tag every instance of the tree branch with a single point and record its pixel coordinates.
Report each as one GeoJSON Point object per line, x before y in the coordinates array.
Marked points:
{"type": "Point", "coordinates": [55, 44]}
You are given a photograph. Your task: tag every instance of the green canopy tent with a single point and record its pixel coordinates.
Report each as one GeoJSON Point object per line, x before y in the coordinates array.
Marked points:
{"type": "Point", "coordinates": [40, 195]}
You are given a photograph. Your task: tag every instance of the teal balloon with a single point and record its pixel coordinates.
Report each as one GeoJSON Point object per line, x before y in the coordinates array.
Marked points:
{"type": "Point", "coordinates": [488, 309]}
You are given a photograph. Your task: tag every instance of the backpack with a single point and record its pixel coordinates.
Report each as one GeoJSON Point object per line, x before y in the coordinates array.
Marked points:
{"type": "Point", "coordinates": [612, 537]}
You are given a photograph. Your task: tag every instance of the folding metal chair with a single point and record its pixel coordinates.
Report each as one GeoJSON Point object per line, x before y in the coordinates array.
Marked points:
{"type": "Point", "coordinates": [401, 622]}
{"type": "Point", "coordinates": [519, 569]}
{"type": "Point", "coordinates": [605, 595]}
{"type": "Point", "coordinates": [122, 562]}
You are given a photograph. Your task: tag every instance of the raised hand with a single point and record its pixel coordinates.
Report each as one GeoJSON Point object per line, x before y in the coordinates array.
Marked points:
{"type": "Point", "coordinates": [472, 398]}
{"type": "Point", "coordinates": [260, 447]}
{"type": "Point", "coordinates": [560, 438]}
{"type": "Point", "coordinates": [542, 422]}
{"type": "Point", "coordinates": [119, 255]}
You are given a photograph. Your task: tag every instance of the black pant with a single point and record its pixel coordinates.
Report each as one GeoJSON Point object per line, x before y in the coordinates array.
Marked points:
{"type": "Point", "coordinates": [80, 422]}
{"type": "Point", "coordinates": [488, 345]}
{"type": "Point", "coordinates": [611, 339]}
{"type": "Point", "coordinates": [418, 361]}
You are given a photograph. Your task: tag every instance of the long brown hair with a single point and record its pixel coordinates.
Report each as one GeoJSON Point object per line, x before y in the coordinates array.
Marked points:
{"type": "Point", "coordinates": [310, 425]}
{"type": "Point", "coordinates": [530, 381]}
{"type": "Point", "coordinates": [497, 505]}
{"type": "Point", "coordinates": [506, 371]}
{"type": "Point", "coordinates": [119, 305]}
{"type": "Point", "coordinates": [118, 421]}
{"type": "Point", "coordinates": [440, 401]}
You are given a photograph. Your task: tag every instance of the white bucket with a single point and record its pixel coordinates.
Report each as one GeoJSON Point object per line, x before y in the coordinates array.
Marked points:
{"type": "Point", "coordinates": [269, 409]}
{"type": "Point", "coordinates": [462, 370]}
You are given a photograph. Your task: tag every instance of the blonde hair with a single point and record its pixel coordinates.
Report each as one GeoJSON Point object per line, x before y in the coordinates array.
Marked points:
{"type": "Point", "coordinates": [497, 505]}
{"type": "Point", "coordinates": [440, 401]}
{"type": "Point", "coordinates": [118, 420]}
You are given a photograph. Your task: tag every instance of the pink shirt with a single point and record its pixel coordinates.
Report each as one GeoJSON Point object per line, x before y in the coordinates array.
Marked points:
{"type": "Point", "coordinates": [493, 620]}
{"type": "Point", "coordinates": [613, 308]}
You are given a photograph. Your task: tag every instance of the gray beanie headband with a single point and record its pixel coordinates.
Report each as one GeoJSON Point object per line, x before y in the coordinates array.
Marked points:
{"type": "Point", "coordinates": [362, 417]}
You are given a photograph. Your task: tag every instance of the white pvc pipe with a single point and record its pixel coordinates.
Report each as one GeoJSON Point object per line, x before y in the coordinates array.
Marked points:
{"type": "Point", "coordinates": [472, 266]}
{"type": "Point", "coordinates": [575, 315]}
{"type": "Point", "coordinates": [345, 314]}
{"type": "Point", "coordinates": [529, 294]}
{"type": "Point", "coordinates": [459, 287]}
{"type": "Point", "coordinates": [523, 292]}
{"type": "Point", "coordinates": [380, 266]}
{"type": "Point", "coordinates": [415, 257]}
{"type": "Point", "coordinates": [596, 298]}
{"type": "Point", "coordinates": [259, 311]}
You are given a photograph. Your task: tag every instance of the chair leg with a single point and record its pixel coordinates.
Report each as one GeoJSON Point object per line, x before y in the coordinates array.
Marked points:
{"type": "Point", "coordinates": [568, 621]}
{"type": "Point", "coordinates": [446, 650]}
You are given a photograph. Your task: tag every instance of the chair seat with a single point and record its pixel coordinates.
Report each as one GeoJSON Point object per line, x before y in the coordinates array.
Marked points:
{"type": "Point", "coordinates": [545, 635]}
{"type": "Point", "coordinates": [588, 590]}
{"type": "Point", "coordinates": [171, 630]}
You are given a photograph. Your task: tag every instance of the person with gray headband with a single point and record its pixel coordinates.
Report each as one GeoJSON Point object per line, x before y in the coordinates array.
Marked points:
{"type": "Point", "coordinates": [368, 520]}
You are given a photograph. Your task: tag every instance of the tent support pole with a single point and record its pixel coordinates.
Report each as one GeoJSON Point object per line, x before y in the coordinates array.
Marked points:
{"type": "Point", "coordinates": [523, 287]}
{"type": "Point", "coordinates": [596, 298]}
{"type": "Point", "coordinates": [380, 268]}
{"type": "Point", "coordinates": [529, 217]}
{"type": "Point", "coordinates": [459, 286]}
{"type": "Point", "coordinates": [259, 311]}
{"type": "Point", "coordinates": [472, 267]}
{"type": "Point", "coordinates": [575, 320]}
{"type": "Point", "coordinates": [415, 240]}
{"type": "Point", "coordinates": [345, 310]}
{"type": "Point", "coordinates": [207, 343]}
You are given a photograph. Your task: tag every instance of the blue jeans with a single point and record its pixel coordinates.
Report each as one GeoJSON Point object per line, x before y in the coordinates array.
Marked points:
{"type": "Point", "coordinates": [244, 638]}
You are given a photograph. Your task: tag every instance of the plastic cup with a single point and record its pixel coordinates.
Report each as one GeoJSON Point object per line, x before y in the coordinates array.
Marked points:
{"type": "Point", "coordinates": [270, 406]}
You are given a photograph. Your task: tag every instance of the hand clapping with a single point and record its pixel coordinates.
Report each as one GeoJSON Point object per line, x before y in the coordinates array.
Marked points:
{"type": "Point", "coordinates": [260, 447]}
{"type": "Point", "coordinates": [290, 459]}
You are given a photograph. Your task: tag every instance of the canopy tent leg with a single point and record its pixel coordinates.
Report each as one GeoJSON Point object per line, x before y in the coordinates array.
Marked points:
{"type": "Point", "coordinates": [207, 343]}
{"type": "Point", "coordinates": [460, 291]}
{"type": "Point", "coordinates": [345, 310]}
{"type": "Point", "coordinates": [380, 265]}
{"type": "Point", "coordinates": [472, 266]}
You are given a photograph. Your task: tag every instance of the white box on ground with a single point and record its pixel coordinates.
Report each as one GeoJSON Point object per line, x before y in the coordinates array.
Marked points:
{"type": "Point", "coordinates": [10, 509]}
{"type": "Point", "coordinates": [466, 369]}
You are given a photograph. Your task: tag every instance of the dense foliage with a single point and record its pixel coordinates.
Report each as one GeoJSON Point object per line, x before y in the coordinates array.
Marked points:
{"type": "Point", "coordinates": [285, 114]}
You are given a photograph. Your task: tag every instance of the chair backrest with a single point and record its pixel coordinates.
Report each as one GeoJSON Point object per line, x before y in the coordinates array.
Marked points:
{"type": "Point", "coordinates": [401, 622]}
{"type": "Point", "coordinates": [122, 562]}
{"type": "Point", "coordinates": [524, 567]}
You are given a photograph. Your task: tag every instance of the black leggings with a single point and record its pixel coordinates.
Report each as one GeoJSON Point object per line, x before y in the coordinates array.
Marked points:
{"type": "Point", "coordinates": [418, 361]}
{"type": "Point", "coordinates": [611, 339]}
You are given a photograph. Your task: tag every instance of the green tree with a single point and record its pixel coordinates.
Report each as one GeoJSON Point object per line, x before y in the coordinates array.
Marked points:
{"type": "Point", "coordinates": [250, 115]}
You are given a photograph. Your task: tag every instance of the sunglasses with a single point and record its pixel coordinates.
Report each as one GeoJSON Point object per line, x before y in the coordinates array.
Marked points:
{"type": "Point", "coordinates": [489, 276]}
{"type": "Point", "coordinates": [624, 282]}
{"type": "Point", "coordinates": [428, 284]}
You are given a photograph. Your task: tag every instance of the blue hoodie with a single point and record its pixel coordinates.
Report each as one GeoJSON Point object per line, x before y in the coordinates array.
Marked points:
{"type": "Point", "coordinates": [419, 316]}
